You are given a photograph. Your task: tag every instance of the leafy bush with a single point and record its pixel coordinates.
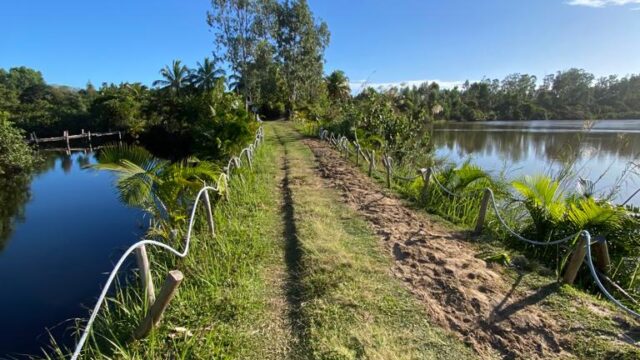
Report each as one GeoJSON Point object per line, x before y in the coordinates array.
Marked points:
{"type": "Point", "coordinates": [17, 156]}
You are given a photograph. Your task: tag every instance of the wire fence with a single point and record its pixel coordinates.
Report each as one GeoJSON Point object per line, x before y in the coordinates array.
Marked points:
{"type": "Point", "coordinates": [581, 254]}
{"type": "Point", "coordinates": [222, 185]}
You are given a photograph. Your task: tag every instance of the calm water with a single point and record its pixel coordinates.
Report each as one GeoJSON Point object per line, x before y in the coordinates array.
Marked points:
{"type": "Point", "coordinates": [604, 148]}
{"type": "Point", "coordinates": [59, 235]}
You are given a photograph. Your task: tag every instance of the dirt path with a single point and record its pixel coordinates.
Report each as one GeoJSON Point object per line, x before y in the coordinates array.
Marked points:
{"type": "Point", "coordinates": [337, 297]}
{"type": "Point", "coordinates": [462, 293]}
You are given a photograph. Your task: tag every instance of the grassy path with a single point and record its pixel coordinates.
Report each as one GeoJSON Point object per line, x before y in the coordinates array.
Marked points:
{"type": "Point", "coordinates": [315, 261]}
{"type": "Point", "coordinates": [342, 301]}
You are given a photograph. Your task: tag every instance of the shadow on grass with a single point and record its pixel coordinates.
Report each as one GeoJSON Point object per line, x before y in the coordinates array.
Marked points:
{"type": "Point", "coordinates": [294, 286]}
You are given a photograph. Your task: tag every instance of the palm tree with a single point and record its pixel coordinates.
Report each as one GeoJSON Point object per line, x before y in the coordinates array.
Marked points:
{"type": "Point", "coordinates": [338, 86]}
{"type": "Point", "coordinates": [207, 75]}
{"type": "Point", "coordinates": [175, 77]}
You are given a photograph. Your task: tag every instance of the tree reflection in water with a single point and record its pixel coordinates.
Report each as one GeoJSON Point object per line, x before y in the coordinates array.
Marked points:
{"type": "Point", "coordinates": [15, 193]}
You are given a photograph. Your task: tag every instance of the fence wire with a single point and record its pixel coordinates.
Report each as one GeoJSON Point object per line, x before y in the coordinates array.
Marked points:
{"type": "Point", "coordinates": [388, 163]}
{"type": "Point", "coordinates": [221, 185]}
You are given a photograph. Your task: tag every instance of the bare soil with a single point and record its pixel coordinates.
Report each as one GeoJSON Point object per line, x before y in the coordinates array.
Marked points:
{"type": "Point", "coordinates": [461, 293]}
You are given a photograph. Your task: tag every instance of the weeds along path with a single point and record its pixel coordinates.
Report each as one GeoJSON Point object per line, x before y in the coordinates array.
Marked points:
{"type": "Point", "coordinates": [338, 297]}
{"type": "Point", "coordinates": [497, 315]}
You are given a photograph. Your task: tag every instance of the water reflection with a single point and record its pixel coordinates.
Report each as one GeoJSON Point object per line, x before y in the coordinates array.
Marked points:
{"type": "Point", "coordinates": [60, 230]}
{"type": "Point", "coordinates": [556, 146]}
{"type": "Point", "coordinates": [13, 197]}
{"type": "Point", "coordinates": [539, 146]}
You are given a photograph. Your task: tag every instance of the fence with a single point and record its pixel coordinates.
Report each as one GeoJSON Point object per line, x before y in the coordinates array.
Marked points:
{"type": "Point", "coordinates": [174, 278]}
{"type": "Point", "coordinates": [582, 252]}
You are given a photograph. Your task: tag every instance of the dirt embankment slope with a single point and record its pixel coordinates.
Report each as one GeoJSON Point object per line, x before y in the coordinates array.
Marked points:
{"type": "Point", "coordinates": [464, 294]}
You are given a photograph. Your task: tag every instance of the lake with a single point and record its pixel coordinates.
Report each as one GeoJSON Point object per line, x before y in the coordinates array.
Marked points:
{"type": "Point", "coordinates": [602, 149]}
{"type": "Point", "coordinates": [60, 233]}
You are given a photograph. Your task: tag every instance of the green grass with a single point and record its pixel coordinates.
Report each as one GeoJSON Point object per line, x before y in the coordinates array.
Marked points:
{"type": "Point", "coordinates": [224, 300]}
{"type": "Point", "coordinates": [595, 327]}
{"type": "Point", "coordinates": [292, 273]}
{"type": "Point", "coordinates": [348, 305]}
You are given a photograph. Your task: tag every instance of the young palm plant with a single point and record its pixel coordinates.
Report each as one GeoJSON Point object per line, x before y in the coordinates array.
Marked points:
{"type": "Point", "coordinates": [159, 187]}
{"type": "Point", "coordinates": [544, 201]}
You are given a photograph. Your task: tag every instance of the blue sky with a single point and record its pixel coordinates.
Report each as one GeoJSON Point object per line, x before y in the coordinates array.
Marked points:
{"type": "Point", "coordinates": [382, 41]}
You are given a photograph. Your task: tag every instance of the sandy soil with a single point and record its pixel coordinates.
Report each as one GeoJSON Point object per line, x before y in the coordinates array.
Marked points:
{"type": "Point", "coordinates": [461, 293]}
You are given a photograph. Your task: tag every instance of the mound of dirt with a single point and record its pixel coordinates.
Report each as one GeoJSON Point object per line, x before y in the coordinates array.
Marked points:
{"type": "Point", "coordinates": [461, 293]}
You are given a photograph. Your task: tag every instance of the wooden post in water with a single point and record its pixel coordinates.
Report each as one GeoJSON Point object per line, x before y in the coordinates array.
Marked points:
{"type": "Point", "coordinates": [601, 249]}
{"type": "Point", "coordinates": [426, 177]}
{"type": "Point", "coordinates": [207, 201]}
{"type": "Point", "coordinates": [154, 315]}
{"type": "Point", "coordinates": [145, 274]}
{"type": "Point", "coordinates": [89, 136]}
{"type": "Point", "coordinates": [483, 212]}
{"type": "Point", "coordinates": [572, 267]}
{"type": "Point", "coordinates": [372, 160]}
{"type": "Point", "coordinates": [66, 137]}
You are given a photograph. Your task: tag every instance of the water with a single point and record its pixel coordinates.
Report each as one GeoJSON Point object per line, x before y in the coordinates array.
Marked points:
{"type": "Point", "coordinates": [60, 233]}
{"type": "Point", "coordinates": [604, 149]}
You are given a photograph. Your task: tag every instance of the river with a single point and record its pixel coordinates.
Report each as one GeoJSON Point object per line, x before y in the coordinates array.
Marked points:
{"type": "Point", "coordinates": [60, 233]}
{"type": "Point", "coordinates": [601, 150]}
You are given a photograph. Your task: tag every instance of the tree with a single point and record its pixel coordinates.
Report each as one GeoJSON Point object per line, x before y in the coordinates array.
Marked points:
{"type": "Point", "coordinates": [17, 157]}
{"type": "Point", "coordinates": [238, 25]}
{"type": "Point", "coordinates": [175, 77]}
{"type": "Point", "coordinates": [300, 43]}
{"type": "Point", "coordinates": [338, 86]}
{"type": "Point", "coordinates": [206, 76]}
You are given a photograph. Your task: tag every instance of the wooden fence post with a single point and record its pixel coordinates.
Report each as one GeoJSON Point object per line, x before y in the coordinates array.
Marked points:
{"type": "Point", "coordinates": [357, 155]}
{"type": "Point", "coordinates": [66, 137]}
{"type": "Point", "coordinates": [426, 177]}
{"type": "Point", "coordinates": [483, 211]}
{"type": "Point", "coordinates": [207, 201]}
{"type": "Point", "coordinates": [572, 267]}
{"type": "Point", "coordinates": [601, 249]}
{"type": "Point", "coordinates": [372, 160]}
{"type": "Point", "coordinates": [154, 315]}
{"type": "Point", "coordinates": [145, 274]}
{"type": "Point", "coordinates": [387, 164]}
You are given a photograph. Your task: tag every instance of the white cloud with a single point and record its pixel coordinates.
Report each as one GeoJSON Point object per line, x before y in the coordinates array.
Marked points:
{"type": "Point", "coordinates": [357, 86]}
{"type": "Point", "coordinates": [602, 3]}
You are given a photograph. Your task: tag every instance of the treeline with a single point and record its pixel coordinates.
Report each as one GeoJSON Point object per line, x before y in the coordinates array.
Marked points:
{"type": "Point", "coordinates": [274, 51]}
{"type": "Point", "coordinates": [573, 94]}
{"type": "Point", "coordinates": [187, 112]}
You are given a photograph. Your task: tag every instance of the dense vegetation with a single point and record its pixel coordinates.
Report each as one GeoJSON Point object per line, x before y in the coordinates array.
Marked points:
{"type": "Point", "coordinates": [276, 52]}
{"type": "Point", "coordinates": [570, 94]}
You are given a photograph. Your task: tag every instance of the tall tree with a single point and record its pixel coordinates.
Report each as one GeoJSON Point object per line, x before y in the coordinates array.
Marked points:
{"type": "Point", "coordinates": [238, 26]}
{"type": "Point", "coordinates": [300, 44]}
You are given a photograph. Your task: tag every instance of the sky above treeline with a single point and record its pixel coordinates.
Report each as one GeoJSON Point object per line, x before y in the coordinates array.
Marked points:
{"type": "Point", "coordinates": [374, 41]}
